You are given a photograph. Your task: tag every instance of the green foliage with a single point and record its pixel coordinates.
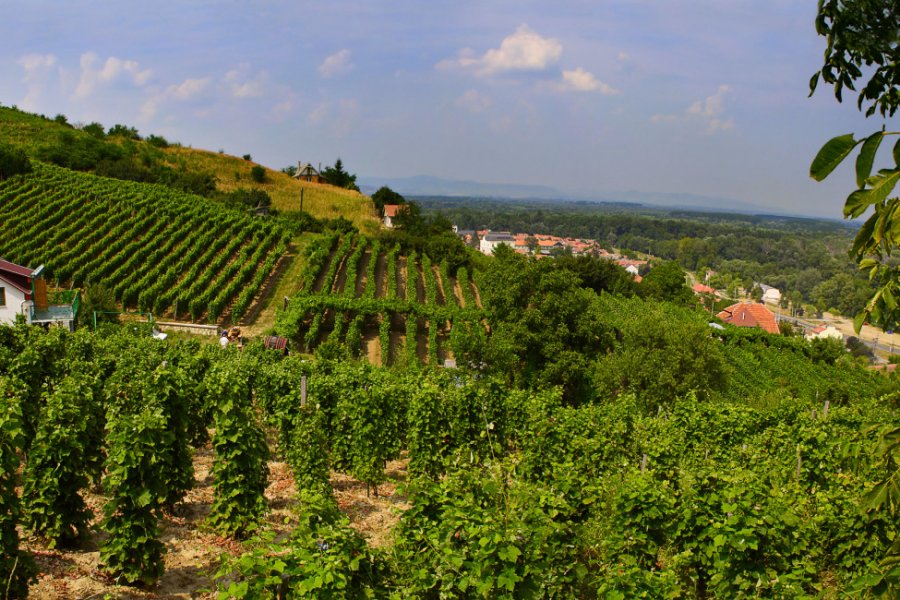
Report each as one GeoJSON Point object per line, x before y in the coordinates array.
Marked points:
{"type": "Point", "coordinates": [475, 534]}
{"type": "Point", "coordinates": [662, 353]}
{"type": "Point", "coordinates": [338, 177]}
{"type": "Point", "coordinates": [16, 566]}
{"type": "Point", "coordinates": [240, 470]}
{"type": "Point", "coordinates": [248, 199]}
{"type": "Point", "coordinates": [858, 33]}
{"type": "Point", "coordinates": [258, 174]}
{"type": "Point", "coordinates": [666, 281]}
{"type": "Point", "coordinates": [862, 42]}
{"type": "Point", "coordinates": [129, 133]}
{"type": "Point", "coordinates": [367, 429]}
{"type": "Point", "coordinates": [542, 316]}
{"type": "Point", "coordinates": [137, 486]}
{"type": "Point", "coordinates": [307, 452]}
{"type": "Point", "coordinates": [57, 466]}
{"type": "Point", "coordinates": [385, 195]}
{"type": "Point", "coordinates": [13, 161]}
{"type": "Point", "coordinates": [324, 558]}
{"type": "Point", "coordinates": [151, 246]}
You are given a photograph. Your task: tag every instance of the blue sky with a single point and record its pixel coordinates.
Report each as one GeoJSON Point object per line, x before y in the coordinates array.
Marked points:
{"type": "Point", "coordinates": [706, 97]}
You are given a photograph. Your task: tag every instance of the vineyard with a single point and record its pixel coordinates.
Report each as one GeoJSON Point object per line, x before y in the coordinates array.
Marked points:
{"type": "Point", "coordinates": [158, 250]}
{"type": "Point", "coordinates": [373, 301]}
{"type": "Point", "coordinates": [508, 492]}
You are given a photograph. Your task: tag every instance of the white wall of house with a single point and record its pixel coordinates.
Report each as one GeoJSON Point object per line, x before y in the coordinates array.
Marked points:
{"type": "Point", "coordinates": [772, 296]}
{"type": "Point", "coordinates": [11, 300]}
{"type": "Point", "coordinates": [487, 246]}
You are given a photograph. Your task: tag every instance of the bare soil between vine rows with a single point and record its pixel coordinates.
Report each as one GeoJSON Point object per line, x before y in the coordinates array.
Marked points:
{"type": "Point", "coordinates": [193, 551]}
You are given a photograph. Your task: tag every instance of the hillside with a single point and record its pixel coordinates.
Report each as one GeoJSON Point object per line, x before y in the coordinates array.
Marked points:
{"type": "Point", "coordinates": [83, 147]}
{"type": "Point", "coordinates": [157, 249]}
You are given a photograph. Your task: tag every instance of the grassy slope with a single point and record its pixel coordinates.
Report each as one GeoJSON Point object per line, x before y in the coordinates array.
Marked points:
{"type": "Point", "coordinates": [320, 200]}
{"type": "Point", "coordinates": [30, 132]}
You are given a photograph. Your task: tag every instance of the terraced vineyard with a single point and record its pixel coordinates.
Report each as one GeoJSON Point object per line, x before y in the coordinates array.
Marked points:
{"type": "Point", "coordinates": [398, 310]}
{"type": "Point", "coordinates": [159, 250]}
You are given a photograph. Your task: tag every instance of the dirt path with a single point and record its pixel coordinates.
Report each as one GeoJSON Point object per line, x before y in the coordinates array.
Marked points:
{"type": "Point", "coordinates": [458, 293]}
{"type": "Point", "coordinates": [402, 278]}
{"type": "Point", "coordinates": [372, 344]}
{"type": "Point", "coordinates": [340, 278]}
{"type": "Point", "coordinates": [420, 283]}
{"type": "Point", "coordinates": [439, 281]}
{"type": "Point", "coordinates": [380, 275]}
{"type": "Point", "coordinates": [192, 552]}
{"type": "Point", "coordinates": [362, 279]}
{"type": "Point", "coordinates": [476, 294]}
{"type": "Point", "coordinates": [320, 278]}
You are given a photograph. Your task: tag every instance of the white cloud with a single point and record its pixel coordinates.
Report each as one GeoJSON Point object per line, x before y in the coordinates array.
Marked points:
{"type": "Point", "coordinates": [341, 116]}
{"type": "Point", "coordinates": [335, 64]}
{"type": "Point", "coordinates": [34, 62]}
{"type": "Point", "coordinates": [523, 50]}
{"type": "Point", "coordinates": [474, 102]}
{"type": "Point", "coordinates": [186, 90]}
{"type": "Point", "coordinates": [708, 111]}
{"type": "Point", "coordinates": [711, 105]}
{"type": "Point", "coordinates": [241, 85]}
{"type": "Point", "coordinates": [38, 68]}
{"type": "Point", "coordinates": [319, 113]}
{"type": "Point", "coordinates": [580, 80]}
{"type": "Point", "coordinates": [113, 69]}
{"type": "Point", "coordinates": [189, 88]}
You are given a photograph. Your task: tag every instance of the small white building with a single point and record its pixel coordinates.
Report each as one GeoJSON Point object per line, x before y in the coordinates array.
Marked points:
{"type": "Point", "coordinates": [15, 291]}
{"type": "Point", "coordinates": [825, 332]}
{"type": "Point", "coordinates": [771, 296]}
{"type": "Point", "coordinates": [390, 212]}
{"type": "Point", "coordinates": [23, 291]}
{"type": "Point", "coordinates": [491, 240]}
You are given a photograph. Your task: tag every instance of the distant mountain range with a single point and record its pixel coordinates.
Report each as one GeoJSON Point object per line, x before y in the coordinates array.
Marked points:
{"type": "Point", "coordinates": [426, 185]}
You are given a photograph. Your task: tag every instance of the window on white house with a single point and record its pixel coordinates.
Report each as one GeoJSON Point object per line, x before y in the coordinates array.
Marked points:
{"type": "Point", "coordinates": [2, 296]}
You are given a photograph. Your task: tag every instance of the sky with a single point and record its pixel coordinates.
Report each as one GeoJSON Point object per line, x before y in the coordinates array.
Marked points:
{"type": "Point", "coordinates": [707, 97]}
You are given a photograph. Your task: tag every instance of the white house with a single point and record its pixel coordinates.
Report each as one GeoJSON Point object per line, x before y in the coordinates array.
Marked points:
{"type": "Point", "coordinates": [15, 291]}
{"type": "Point", "coordinates": [23, 291]}
{"type": "Point", "coordinates": [771, 296]}
{"type": "Point", "coordinates": [390, 212]}
{"type": "Point", "coordinates": [490, 241]}
{"type": "Point", "coordinates": [825, 332]}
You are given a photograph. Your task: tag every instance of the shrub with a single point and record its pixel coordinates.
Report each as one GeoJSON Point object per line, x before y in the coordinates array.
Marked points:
{"type": "Point", "coordinates": [13, 161]}
{"type": "Point", "coordinates": [258, 174]}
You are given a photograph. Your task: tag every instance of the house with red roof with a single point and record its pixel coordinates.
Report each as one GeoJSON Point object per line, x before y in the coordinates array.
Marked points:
{"type": "Point", "coordinates": [23, 291]}
{"type": "Point", "coordinates": [390, 212]}
{"type": "Point", "coordinates": [750, 314]}
{"type": "Point", "coordinates": [699, 288]}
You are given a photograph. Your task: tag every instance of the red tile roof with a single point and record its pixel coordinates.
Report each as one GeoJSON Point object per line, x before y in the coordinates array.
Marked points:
{"type": "Point", "coordinates": [15, 269]}
{"type": "Point", "coordinates": [750, 314]}
{"type": "Point", "coordinates": [17, 276]}
{"type": "Point", "coordinates": [390, 210]}
{"type": "Point", "coordinates": [703, 289]}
